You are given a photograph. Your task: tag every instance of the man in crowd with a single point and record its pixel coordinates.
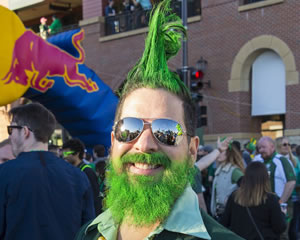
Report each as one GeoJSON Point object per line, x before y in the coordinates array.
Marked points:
{"type": "Point", "coordinates": [41, 196]}
{"type": "Point", "coordinates": [73, 151]}
{"type": "Point", "coordinates": [5, 151]}
{"type": "Point", "coordinates": [281, 172]}
{"type": "Point", "coordinates": [153, 151]}
{"type": "Point", "coordinates": [55, 26]}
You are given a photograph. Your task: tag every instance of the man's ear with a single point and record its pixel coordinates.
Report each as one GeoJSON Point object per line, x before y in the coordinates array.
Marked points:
{"type": "Point", "coordinates": [193, 147]}
{"type": "Point", "coordinates": [27, 132]}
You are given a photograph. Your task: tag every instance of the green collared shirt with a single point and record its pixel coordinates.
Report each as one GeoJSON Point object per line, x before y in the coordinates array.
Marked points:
{"type": "Point", "coordinates": [184, 218]}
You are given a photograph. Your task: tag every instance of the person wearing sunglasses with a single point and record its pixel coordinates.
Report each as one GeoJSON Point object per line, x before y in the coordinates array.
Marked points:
{"type": "Point", "coordinates": [73, 152]}
{"type": "Point", "coordinates": [281, 172]}
{"type": "Point", "coordinates": [41, 195]}
{"type": "Point", "coordinates": [283, 147]}
{"type": "Point", "coordinates": [153, 151]}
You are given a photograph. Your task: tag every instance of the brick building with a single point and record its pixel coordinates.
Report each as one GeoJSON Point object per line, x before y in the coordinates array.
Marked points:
{"type": "Point", "coordinates": [232, 36]}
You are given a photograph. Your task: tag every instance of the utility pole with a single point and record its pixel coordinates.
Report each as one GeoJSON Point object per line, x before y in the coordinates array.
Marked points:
{"type": "Point", "coordinates": [185, 67]}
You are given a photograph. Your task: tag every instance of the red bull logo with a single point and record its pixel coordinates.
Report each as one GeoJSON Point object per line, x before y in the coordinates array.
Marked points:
{"type": "Point", "coordinates": [34, 59]}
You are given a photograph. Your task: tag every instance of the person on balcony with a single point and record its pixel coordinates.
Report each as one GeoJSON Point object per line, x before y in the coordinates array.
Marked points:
{"type": "Point", "coordinates": [56, 26]}
{"type": "Point", "coordinates": [43, 28]}
{"type": "Point", "coordinates": [112, 23]}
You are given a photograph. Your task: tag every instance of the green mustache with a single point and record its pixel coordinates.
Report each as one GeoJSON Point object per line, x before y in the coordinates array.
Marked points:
{"type": "Point", "coordinates": [156, 158]}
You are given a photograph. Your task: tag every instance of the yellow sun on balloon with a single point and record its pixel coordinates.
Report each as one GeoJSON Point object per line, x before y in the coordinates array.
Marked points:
{"type": "Point", "coordinates": [11, 29]}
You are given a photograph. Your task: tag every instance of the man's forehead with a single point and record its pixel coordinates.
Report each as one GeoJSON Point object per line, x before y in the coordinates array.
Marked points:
{"type": "Point", "coordinates": [152, 103]}
{"type": "Point", "coordinates": [265, 143]}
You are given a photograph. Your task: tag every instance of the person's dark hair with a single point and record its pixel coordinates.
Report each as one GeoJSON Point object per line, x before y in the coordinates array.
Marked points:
{"type": "Point", "coordinates": [254, 187]}
{"type": "Point", "coordinates": [88, 157]}
{"type": "Point", "coordinates": [75, 145]}
{"type": "Point", "coordinates": [237, 144]}
{"type": "Point", "coordinates": [99, 150]}
{"type": "Point", "coordinates": [36, 117]}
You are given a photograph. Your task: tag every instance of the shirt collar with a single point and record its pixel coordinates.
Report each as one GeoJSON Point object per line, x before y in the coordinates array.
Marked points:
{"type": "Point", "coordinates": [267, 160]}
{"type": "Point", "coordinates": [184, 218]}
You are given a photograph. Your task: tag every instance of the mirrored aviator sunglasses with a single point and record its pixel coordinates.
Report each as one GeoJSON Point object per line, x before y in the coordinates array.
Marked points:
{"type": "Point", "coordinates": [165, 131]}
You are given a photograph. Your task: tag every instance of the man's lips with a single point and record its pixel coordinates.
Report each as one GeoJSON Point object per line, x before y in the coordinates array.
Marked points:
{"type": "Point", "coordinates": [144, 168]}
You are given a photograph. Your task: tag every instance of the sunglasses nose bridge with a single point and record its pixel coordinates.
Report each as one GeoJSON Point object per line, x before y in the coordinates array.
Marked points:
{"type": "Point", "coordinates": [146, 142]}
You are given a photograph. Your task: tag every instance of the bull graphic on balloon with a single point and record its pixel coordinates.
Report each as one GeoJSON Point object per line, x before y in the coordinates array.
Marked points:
{"type": "Point", "coordinates": [34, 59]}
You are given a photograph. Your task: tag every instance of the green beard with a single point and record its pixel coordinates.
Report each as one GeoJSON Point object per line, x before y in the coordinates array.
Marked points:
{"type": "Point", "coordinates": [145, 200]}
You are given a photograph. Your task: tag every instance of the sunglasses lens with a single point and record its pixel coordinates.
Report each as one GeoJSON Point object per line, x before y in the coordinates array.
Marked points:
{"type": "Point", "coordinates": [128, 129]}
{"type": "Point", "coordinates": [167, 131]}
{"type": "Point", "coordinates": [66, 154]}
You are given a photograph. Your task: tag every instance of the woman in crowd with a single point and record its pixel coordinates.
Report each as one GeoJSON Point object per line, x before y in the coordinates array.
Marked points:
{"type": "Point", "coordinates": [227, 177]}
{"type": "Point", "coordinates": [283, 147]}
{"type": "Point", "coordinates": [252, 211]}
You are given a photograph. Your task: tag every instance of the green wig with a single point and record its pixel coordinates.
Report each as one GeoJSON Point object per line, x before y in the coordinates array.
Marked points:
{"type": "Point", "coordinates": [163, 42]}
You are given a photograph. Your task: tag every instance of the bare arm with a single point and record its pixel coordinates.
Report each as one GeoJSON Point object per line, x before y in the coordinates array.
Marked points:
{"type": "Point", "coordinates": [287, 191]}
{"type": "Point", "coordinates": [211, 157]}
{"type": "Point", "coordinates": [201, 201]}
{"type": "Point", "coordinates": [205, 161]}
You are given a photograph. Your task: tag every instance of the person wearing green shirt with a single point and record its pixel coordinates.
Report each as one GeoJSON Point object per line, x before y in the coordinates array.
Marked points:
{"type": "Point", "coordinates": [55, 26]}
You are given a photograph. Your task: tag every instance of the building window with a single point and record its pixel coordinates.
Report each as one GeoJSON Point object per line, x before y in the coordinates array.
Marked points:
{"type": "Point", "coordinates": [244, 2]}
{"type": "Point", "coordinates": [245, 5]}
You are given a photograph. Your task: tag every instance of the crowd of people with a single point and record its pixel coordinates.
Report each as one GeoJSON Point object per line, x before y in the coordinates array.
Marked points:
{"type": "Point", "coordinates": [156, 182]}
{"type": "Point", "coordinates": [131, 15]}
{"type": "Point", "coordinates": [259, 184]}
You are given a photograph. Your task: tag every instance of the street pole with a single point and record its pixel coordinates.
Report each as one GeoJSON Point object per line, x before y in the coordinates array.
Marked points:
{"type": "Point", "coordinates": [185, 67]}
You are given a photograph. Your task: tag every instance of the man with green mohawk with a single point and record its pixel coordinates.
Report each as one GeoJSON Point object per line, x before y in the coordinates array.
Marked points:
{"type": "Point", "coordinates": [153, 151]}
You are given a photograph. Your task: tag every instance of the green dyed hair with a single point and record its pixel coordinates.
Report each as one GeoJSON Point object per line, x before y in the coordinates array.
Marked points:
{"type": "Point", "coordinates": [151, 71]}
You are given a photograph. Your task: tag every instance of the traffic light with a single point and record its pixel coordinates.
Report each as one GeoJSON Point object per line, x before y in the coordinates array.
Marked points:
{"type": "Point", "coordinates": [196, 79]}
{"type": "Point", "coordinates": [197, 74]}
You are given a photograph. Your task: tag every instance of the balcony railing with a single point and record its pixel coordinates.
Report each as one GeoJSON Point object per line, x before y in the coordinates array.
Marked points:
{"type": "Point", "coordinates": [138, 19]}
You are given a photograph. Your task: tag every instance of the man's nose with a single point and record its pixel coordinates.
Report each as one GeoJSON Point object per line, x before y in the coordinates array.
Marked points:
{"type": "Point", "coordinates": [146, 142]}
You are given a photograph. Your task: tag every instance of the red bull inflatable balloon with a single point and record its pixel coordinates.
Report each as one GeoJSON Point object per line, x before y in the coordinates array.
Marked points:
{"type": "Point", "coordinates": [33, 61]}
{"type": "Point", "coordinates": [10, 33]}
